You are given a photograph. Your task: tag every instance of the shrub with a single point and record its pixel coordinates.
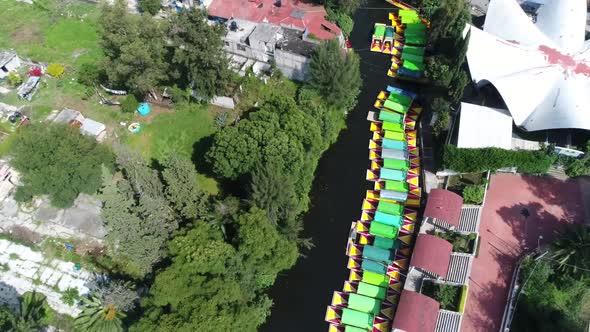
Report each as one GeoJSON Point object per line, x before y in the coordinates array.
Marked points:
{"type": "Point", "coordinates": [70, 296]}
{"type": "Point", "coordinates": [442, 123]}
{"type": "Point", "coordinates": [14, 79]}
{"type": "Point", "coordinates": [479, 160]}
{"type": "Point", "coordinates": [150, 6]}
{"type": "Point", "coordinates": [88, 74]}
{"type": "Point", "coordinates": [473, 194]}
{"type": "Point", "coordinates": [129, 104]}
{"type": "Point", "coordinates": [345, 23]}
{"type": "Point", "coordinates": [55, 69]}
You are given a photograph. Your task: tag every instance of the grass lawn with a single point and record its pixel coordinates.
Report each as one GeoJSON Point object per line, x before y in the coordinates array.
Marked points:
{"type": "Point", "coordinates": [176, 133]}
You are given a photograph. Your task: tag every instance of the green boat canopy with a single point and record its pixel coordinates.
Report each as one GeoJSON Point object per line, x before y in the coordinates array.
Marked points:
{"type": "Point", "coordinates": [348, 328]}
{"type": "Point", "coordinates": [371, 290]}
{"type": "Point", "coordinates": [391, 208]}
{"type": "Point", "coordinates": [391, 117]}
{"type": "Point", "coordinates": [400, 98]}
{"type": "Point", "coordinates": [393, 174]}
{"type": "Point", "coordinates": [379, 229]}
{"type": "Point", "coordinates": [388, 219]}
{"type": "Point", "coordinates": [414, 27]}
{"type": "Point", "coordinates": [416, 40]}
{"type": "Point", "coordinates": [385, 243]}
{"type": "Point", "coordinates": [376, 279]}
{"type": "Point", "coordinates": [398, 186]}
{"type": "Point", "coordinates": [403, 165]}
{"type": "Point", "coordinates": [413, 50]}
{"type": "Point", "coordinates": [379, 30]}
{"type": "Point", "coordinates": [396, 107]}
{"type": "Point", "coordinates": [393, 126]}
{"type": "Point", "coordinates": [413, 57]}
{"type": "Point", "coordinates": [413, 65]}
{"type": "Point", "coordinates": [378, 254]}
{"type": "Point", "coordinates": [389, 32]}
{"type": "Point", "coordinates": [368, 265]}
{"type": "Point", "coordinates": [364, 303]}
{"type": "Point", "coordinates": [357, 318]}
{"type": "Point", "coordinates": [396, 136]}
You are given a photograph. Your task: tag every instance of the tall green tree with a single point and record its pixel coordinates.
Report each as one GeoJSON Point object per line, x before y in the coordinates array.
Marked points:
{"type": "Point", "coordinates": [218, 289]}
{"type": "Point", "coordinates": [335, 73]}
{"type": "Point", "coordinates": [182, 189]}
{"type": "Point", "coordinates": [571, 250]}
{"type": "Point", "coordinates": [134, 47]}
{"type": "Point", "coordinates": [150, 6]}
{"type": "Point", "coordinates": [58, 161]}
{"type": "Point", "coordinates": [198, 56]}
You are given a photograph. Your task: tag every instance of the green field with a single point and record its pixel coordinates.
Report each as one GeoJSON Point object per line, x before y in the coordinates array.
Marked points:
{"type": "Point", "coordinates": [175, 134]}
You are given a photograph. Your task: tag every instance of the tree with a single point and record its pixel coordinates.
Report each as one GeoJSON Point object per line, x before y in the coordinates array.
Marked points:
{"type": "Point", "coordinates": [119, 294]}
{"type": "Point", "coordinates": [218, 289]}
{"type": "Point", "coordinates": [335, 74]}
{"type": "Point", "coordinates": [571, 250]}
{"type": "Point", "coordinates": [201, 63]}
{"type": "Point", "coordinates": [182, 190]}
{"type": "Point", "coordinates": [274, 192]}
{"type": "Point", "coordinates": [58, 161]}
{"type": "Point", "coordinates": [150, 6]}
{"type": "Point", "coordinates": [89, 74]}
{"type": "Point", "coordinates": [134, 47]}
{"type": "Point", "coordinates": [96, 317]}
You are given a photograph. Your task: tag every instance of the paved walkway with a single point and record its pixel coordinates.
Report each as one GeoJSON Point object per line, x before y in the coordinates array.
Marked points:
{"type": "Point", "coordinates": [24, 270]}
{"type": "Point", "coordinates": [506, 234]}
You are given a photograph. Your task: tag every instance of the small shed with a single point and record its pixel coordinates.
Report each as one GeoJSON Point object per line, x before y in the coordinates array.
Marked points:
{"type": "Point", "coordinates": [9, 62]}
{"type": "Point", "coordinates": [93, 128]}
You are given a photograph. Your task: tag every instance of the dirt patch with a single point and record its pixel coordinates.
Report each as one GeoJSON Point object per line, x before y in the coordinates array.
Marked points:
{"type": "Point", "coordinates": [28, 34]}
{"type": "Point", "coordinates": [155, 110]}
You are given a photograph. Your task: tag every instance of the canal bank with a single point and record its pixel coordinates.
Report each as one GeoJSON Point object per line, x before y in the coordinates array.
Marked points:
{"type": "Point", "coordinates": [301, 294]}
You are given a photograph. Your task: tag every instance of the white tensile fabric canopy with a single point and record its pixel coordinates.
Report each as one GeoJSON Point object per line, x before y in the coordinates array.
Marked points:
{"type": "Point", "coordinates": [541, 69]}
{"type": "Point", "coordinates": [484, 127]}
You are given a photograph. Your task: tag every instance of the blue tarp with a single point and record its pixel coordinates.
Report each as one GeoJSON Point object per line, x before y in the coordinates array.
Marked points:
{"type": "Point", "coordinates": [143, 109]}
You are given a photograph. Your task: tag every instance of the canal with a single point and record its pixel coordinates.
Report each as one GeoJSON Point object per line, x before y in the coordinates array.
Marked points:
{"type": "Point", "coordinates": [302, 294]}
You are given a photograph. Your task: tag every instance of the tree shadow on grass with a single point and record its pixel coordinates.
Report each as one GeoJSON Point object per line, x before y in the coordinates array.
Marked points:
{"type": "Point", "coordinates": [200, 149]}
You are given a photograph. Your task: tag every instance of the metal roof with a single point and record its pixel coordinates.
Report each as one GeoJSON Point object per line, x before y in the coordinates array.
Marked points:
{"type": "Point", "coordinates": [483, 127]}
{"type": "Point", "coordinates": [542, 69]}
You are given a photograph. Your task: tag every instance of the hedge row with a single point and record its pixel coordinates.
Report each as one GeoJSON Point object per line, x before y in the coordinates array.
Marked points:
{"type": "Point", "coordinates": [479, 160]}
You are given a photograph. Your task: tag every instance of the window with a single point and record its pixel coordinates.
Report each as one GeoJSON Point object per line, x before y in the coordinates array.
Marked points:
{"type": "Point", "coordinates": [226, 43]}
{"type": "Point", "coordinates": [241, 48]}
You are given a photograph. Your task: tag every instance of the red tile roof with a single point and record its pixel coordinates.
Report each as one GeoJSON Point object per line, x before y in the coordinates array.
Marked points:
{"type": "Point", "coordinates": [416, 313]}
{"type": "Point", "coordinates": [294, 13]}
{"type": "Point", "coordinates": [432, 253]}
{"type": "Point", "coordinates": [444, 205]}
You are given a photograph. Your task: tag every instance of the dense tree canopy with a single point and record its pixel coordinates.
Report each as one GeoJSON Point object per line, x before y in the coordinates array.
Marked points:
{"type": "Point", "coordinates": [134, 48]}
{"type": "Point", "coordinates": [218, 289]}
{"type": "Point", "coordinates": [335, 74]}
{"type": "Point", "coordinates": [201, 63]}
{"type": "Point", "coordinates": [56, 160]}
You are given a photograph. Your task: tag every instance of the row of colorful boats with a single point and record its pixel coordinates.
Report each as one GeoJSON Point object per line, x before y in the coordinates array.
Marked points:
{"type": "Point", "coordinates": [379, 246]}
{"type": "Point", "coordinates": [404, 39]}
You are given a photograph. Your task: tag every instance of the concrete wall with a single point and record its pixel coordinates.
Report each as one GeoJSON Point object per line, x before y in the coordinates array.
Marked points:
{"type": "Point", "coordinates": [293, 66]}
{"type": "Point", "coordinates": [238, 48]}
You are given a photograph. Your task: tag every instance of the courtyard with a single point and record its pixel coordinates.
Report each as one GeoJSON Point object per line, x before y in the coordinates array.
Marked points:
{"type": "Point", "coordinates": [521, 213]}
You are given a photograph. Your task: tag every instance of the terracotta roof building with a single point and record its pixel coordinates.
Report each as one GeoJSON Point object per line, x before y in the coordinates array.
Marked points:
{"type": "Point", "coordinates": [294, 14]}
{"type": "Point", "coordinates": [444, 205]}
{"type": "Point", "coordinates": [415, 313]}
{"type": "Point", "coordinates": [433, 254]}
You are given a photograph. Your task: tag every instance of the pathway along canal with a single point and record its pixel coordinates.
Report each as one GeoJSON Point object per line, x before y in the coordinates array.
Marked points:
{"type": "Point", "coordinates": [302, 294]}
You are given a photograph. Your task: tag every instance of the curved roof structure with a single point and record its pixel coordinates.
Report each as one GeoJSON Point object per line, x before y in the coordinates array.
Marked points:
{"type": "Point", "coordinates": [432, 253]}
{"type": "Point", "coordinates": [416, 313]}
{"type": "Point", "coordinates": [444, 205]}
{"type": "Point", "coordinates": [541, 69]}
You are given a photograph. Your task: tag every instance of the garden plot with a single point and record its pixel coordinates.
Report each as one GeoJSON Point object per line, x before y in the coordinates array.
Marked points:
{"type": "Point", "coordinates": [26, 270]}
